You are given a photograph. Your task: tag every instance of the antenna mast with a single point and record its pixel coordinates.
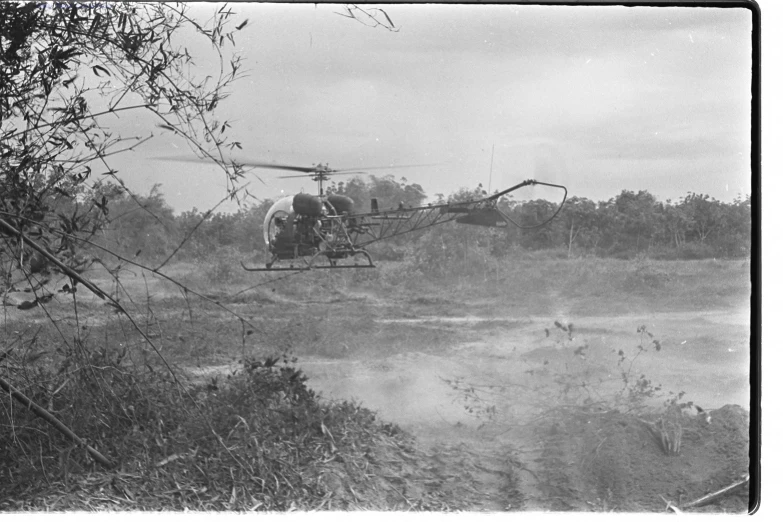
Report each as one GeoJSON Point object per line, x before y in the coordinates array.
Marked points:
{"type": "Point", "coordinates": [491, 161]}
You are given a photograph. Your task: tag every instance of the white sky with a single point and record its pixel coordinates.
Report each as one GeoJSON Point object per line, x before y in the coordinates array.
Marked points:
{"type": "Point", "coordinates": [600, 99]}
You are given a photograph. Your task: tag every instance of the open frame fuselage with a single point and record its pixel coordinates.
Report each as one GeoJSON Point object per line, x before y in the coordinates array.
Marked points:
{"type": "Point", "coordinates": [304, 232]}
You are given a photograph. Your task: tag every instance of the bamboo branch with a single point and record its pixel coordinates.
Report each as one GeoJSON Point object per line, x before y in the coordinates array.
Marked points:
{"type": "Point", "coordinates": [7, 228]}
{"type": "Point", "coordinates": [51, 419]}
{"type": "Point", "coordinates": [712, 497]}
{"type": "Point", "coordinates": [72, 120]}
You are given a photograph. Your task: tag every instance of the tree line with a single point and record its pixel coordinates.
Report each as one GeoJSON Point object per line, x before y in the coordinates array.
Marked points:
{"type": "Point", "coordinates": [625, 226]}
{"type": "Point", "coordinates": [635, 223]}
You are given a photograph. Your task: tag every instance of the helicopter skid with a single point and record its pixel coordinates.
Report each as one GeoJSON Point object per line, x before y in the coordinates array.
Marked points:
{"type": "Point", "coordinates": [274, 269]}
{"type": "Point", "coordinates": [330, 264]}
{"type": "Point", "coordinates": [340, 266]}
{"type": "Point", "coordinates": [302, 269]}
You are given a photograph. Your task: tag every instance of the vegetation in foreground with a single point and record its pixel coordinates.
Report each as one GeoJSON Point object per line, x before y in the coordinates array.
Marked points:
{"type": "Point", "coordinates": [260, 439]}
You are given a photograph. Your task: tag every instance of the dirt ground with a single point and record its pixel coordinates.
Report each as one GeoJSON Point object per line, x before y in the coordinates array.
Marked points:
{"type": "Point", "coordinates": [527, 453]}
{"type": "Point", "coordinates": [567, 459]}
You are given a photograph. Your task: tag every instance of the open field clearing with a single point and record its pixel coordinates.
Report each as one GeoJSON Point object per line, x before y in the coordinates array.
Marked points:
{"type": "Point", "coordinates": [270, 258]}
{"type": "Point", "coordinates": [524, 387]}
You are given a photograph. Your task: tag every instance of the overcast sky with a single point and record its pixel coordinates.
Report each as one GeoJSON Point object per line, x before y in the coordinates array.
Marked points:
{"type": "Point", "coordinates": [600, 99]}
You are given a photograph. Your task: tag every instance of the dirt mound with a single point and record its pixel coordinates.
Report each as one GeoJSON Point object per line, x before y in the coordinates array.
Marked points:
{"type": "Point", "coordinates": [612, 461]}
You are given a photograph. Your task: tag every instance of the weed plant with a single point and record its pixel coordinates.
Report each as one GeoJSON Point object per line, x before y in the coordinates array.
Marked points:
{"type": "Point", "coordinates": [571, 375]}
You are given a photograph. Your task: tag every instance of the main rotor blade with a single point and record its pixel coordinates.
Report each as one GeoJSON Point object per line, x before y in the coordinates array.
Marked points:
{"type": "Point", "coordinates": [278, 167]}
{"type": "Point", "coordinates": [241, 162]}
{"type": "Point", "coordinates": [389, 167]}
{"type": "Point", "coordinates": [298, 176]}
{"type": "Point", "coordinates": [328, 173]}
{"type": "Point", "coordinates": [188, 159]}
{"type": "Point", "coordinates": [350, 171]}
{"type": "Point", "coordinates": [314, 169]}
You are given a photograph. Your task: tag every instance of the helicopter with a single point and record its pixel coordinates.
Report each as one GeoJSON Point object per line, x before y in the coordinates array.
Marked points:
{"type": "Point", "coordinates": [323, 231]}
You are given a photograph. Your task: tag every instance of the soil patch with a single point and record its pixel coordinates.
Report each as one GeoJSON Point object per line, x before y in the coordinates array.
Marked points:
{"type": "Point", "coordinates": [611, 461]}
{"type": "Point", "coordinates": [539, 458]}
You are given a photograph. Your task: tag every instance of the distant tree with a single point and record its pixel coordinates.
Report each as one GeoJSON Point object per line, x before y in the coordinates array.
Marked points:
{"type": "Point", "coordinates": [734, 237]}
{"type": "Point", "coordinates": [386, 189]}
{"type": "Point", "coordinates": [452, 246]}
{"type": "Point", "coordinates": [355, 188]}
{"type": "Point", "coordinates": [530, 213]}
{"type": "Point", "coordinates": [193, 232]}
{"type": "Point", "coordinates": [704, 214]}
{"type": "Point", "coordinates": [676, 222]}
{"type": "Point", "coordinates": [142, 226]}
{"type": "Point", "coordinates": [577, 218]}
{"type": "Point", "coordinates": [250, 228]}
{"type": "Point", "coordinates": [607, 223]}
{"type": "Point", "coordinates": [412, 193]}
{"type": "Point", "coordinates": [637, 219]}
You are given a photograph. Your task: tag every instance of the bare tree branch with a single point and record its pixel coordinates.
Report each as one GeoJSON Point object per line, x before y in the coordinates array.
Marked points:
{"type": "Point", "coordinates": [372, 17]}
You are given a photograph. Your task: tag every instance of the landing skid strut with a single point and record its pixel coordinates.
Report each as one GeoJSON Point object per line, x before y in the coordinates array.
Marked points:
{"type": "Point", "coordinates": [312, 264]}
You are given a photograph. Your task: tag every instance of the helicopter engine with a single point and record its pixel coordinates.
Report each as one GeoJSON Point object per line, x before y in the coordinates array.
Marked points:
{"type": "Point", "coordinates": [304, 224]}
{"type": "Point", "coordinates": [308, 205]}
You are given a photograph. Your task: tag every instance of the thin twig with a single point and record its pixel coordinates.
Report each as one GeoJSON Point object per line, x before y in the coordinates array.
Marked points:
{"type": "Point", "coordinates": [206, 215]}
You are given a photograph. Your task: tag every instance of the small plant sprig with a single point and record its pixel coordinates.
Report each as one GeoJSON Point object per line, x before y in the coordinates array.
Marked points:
{"type": "Point", "coordinates": [667, 433]}
{"type": "Point", "coordinates": [477, 398]}
{"type": "Point", "coordinates": [637, 391]}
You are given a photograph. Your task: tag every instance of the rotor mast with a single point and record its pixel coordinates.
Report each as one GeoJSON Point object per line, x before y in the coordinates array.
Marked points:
{"type": "Point", "coordinates": [320, 177]}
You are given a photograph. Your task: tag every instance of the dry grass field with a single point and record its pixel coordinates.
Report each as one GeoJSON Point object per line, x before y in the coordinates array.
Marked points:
{"type": "Point", "coordinates": [530, 385]}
